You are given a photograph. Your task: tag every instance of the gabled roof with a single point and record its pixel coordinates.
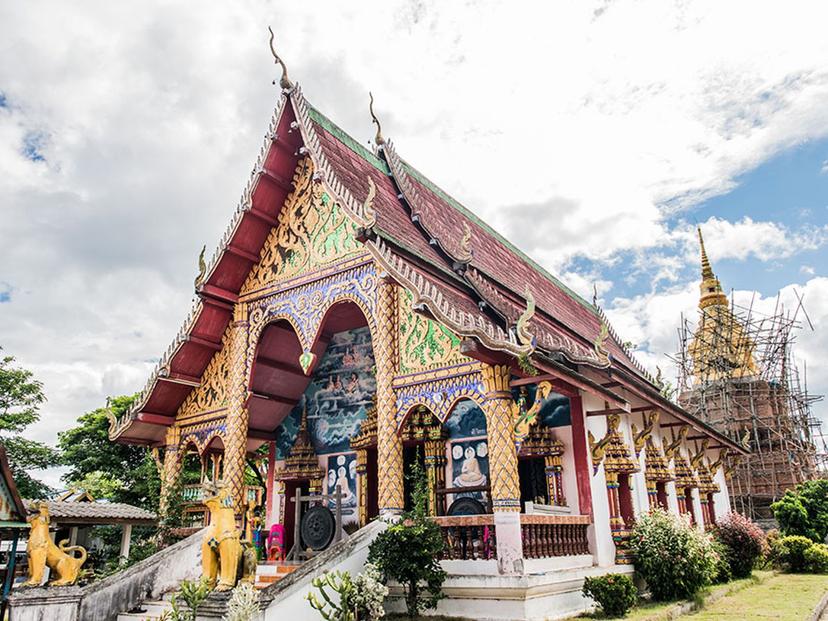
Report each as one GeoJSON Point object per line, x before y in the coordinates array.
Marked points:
{"type": "Point", "coordinates": [12, 508]}
{"type": "Point", "coordinates": [459, 270]}
{"type": "Point", "coordinates": [83, 512]}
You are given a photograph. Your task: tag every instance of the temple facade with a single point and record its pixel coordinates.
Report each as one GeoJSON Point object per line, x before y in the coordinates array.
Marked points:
{"type": "Point", "coordinates": [356, 319]}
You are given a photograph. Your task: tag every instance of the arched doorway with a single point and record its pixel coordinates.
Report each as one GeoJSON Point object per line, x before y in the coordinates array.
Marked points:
{"type": "Point", "coordinates": [308, 420]}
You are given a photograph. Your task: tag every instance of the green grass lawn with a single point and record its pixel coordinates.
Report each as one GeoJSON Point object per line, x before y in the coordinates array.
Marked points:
{"type": "Point", "coordinates": [764, 596]}
{"type": "Point", "coordinates": [783, 597]}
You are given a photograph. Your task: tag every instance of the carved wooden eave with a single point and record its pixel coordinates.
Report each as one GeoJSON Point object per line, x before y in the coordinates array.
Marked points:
{"type": "Point", "coordinates": [685, 477]}
{"type": "Point", "coordinates": [541, 442]}
{"type": "Point", "coordinates": [656, 465]}
{"type": "Point", "coordinates": [422, 426]}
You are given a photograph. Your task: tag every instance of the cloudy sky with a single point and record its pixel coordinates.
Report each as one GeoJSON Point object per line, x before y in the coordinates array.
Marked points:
{"type": "Point", "coordinates": [596, 135]}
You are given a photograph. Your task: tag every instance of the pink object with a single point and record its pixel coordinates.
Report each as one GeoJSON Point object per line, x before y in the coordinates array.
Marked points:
{"type": "Point", "coordinates": [276, 543]}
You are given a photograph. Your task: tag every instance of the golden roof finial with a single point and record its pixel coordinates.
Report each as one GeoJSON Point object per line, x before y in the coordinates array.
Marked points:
{"type": "Point", "coordinates": [707, 271]}
{"type": "Point", "coordinates": [284, 81]}
{"type": "Point", "coordinates": [378, 139]}
{"type": "Point", "coordinates": [710, 288]}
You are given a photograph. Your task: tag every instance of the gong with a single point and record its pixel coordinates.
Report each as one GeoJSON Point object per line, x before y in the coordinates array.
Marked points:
{"type": "Point", "coordinates": [466, 506]}
{"type": "Point", "coordinates": [318, 527]}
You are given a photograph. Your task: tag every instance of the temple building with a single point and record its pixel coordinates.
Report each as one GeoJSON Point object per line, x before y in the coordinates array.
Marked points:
{"type": "Point", "coordinates": [355, 319]}
{"type": "Point", "coordinates": [737, 374]}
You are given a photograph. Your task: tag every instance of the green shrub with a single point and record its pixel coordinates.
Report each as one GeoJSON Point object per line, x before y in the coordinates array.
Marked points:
{"type": "Point", "coordinates": [743, 543]}
{"type": "Point", "coordinates": [671, 555]}
{"type": "Point", "coordinates": [816, 558]}
{"type": "Point", "coordinates": [804, 510]}
{"type": "Point", "coordinates": [615, 593]}
{"type": "Point", "coordinates": [722, 569]}
{"type": "Point", "coordinates": [409, 551]}
{"type": "Point", "coordinates": [789, 553]}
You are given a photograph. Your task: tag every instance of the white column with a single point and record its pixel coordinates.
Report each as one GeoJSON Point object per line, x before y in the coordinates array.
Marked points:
{"type": "Point", "coordinates": [126, 541]}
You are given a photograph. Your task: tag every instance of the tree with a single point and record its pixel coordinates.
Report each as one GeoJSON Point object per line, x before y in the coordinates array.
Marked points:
{"type": "Point", "coordinates": [410, 550]}
{"type": "Point", "coordinates": [20, 398]}
{"type": "Point", "coordinates": [106, 469]}
{"type": "Point", "coordinates": [804, 510]}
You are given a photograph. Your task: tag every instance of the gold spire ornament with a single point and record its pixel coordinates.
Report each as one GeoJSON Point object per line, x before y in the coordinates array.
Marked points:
{"type": "Point", "coordinates": [284, 81]}
{"type": "Point", "coordinates": [721, 348]}
{"type": "Point", "coordinates": [378, 139]}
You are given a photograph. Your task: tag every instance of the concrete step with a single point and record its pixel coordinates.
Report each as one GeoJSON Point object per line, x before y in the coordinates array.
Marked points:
{"type": "Point", "coordinates": [152, 610]}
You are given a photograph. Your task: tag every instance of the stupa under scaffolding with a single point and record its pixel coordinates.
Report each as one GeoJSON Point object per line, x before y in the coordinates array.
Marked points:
{"type": "Point", "coordinates": [737, 372]}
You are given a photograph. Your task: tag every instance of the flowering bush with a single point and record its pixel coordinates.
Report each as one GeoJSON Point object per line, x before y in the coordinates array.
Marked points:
{"type": "Point", "coordinates": [615, 593]}
{"type": "Point", "coordinates": [789, 553]}
{"type": "Point", "coordinates": [743, 543]}
{"type": "Point", "coordinates": [816, 558]}
{"type": "Point", "coordinates": [673, 557]}
{"type": "Point", "coordinates": [243, 604]}
{"type": "Point", "coordinates": [369, 593]}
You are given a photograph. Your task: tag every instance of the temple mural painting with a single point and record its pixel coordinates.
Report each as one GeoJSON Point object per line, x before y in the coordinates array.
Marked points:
{"type": "Point", "coordinates": [341, 472]}
{"type": "Point", "coordinates": [555, 409]}
{"type": "Point", "coordinates": [466, 421]}
{"type": "Point", "coordinates": [338, 396]}
{"type": "Point", "coordinates": [470, 465]}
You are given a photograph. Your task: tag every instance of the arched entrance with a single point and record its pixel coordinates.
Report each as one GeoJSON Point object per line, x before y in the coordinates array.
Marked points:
{"type": "Point", "coordinates": [308, 420]}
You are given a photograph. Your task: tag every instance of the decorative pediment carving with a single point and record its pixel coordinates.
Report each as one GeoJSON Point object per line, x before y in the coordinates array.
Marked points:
{"type": "Point", "coordinates": [313, 231]}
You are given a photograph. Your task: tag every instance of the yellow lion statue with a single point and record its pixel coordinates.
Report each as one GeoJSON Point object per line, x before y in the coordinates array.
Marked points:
{"type": "Point", "coordinates": [43, 552]}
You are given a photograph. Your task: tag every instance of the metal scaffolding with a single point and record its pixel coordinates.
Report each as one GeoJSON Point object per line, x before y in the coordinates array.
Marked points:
{"type": "Point", "coordinates": [768, 409]}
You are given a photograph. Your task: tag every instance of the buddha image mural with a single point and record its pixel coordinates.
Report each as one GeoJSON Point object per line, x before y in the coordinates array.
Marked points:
{"type": "Point", "coordinates": [470, 465]}
{"type": "Point", "coordinates": [342, 475]}
{"type": "Point", "coordinates": [338, 396]}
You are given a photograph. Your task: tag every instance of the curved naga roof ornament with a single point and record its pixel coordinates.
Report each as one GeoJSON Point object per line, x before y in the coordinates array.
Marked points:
{"type": "Point", "coordinates": [600, 340]}
{"type": "Point", "coordinates": [670, 449]}
{"type": "Point", "coordinates": [284, 81]}
{"type": "Point", "coordinates": [378, 139]}
{"type": "Point", "coordinates": [465, 254]}
{"type": "Point", "coordinates": [525, 337]}
{"type": "Point", "coordinates": [202, 267]}
{"type": "Point", "coordinates": [369, 214]}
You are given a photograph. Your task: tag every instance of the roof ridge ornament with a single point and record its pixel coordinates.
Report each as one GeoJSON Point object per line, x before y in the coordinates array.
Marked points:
{"type": "Point", "coordinates": [525, 337]}
{"type": "Point", "coordinates": [466, 254]}
{"type": "Point", "coordinates": [202, 267]}
{"type": "Point", "coordinates": [284, 81]}
{"type": "Point", "coordinates": [378, 139]}
{"type": "Point", "coordinates": [369, 213]}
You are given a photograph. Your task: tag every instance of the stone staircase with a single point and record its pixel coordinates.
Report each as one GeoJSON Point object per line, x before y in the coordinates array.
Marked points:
{"type": "Point", "coordinates": [270, 572]}
{"type": "Point", "coordinates": [267, 573]}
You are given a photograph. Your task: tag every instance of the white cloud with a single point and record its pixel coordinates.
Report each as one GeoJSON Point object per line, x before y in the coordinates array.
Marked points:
{"type": "Point", "coordinates": [652, 320]}
{"type": "Point", "coordinates": [573, 130]}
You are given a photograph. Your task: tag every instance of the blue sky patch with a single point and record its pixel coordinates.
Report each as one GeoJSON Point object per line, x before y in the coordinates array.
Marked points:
{"type": "Point", "coordinates": [33, 143]}
{"type": "Point", "coordinates": [3, 103]}
{"type": "Point", "coordinates": [5, 293]}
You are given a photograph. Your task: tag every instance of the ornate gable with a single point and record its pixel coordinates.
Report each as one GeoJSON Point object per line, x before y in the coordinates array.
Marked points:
{"type": "Point", "coordinates": [424, 344]}
{"type": "Point", "coordinates": [313, 232]}
{"type": "Point", "coordinates": [211, 393]}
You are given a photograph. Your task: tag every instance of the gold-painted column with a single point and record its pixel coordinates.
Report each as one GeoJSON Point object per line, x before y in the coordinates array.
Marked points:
{"type": "Point", "coordinates": [389, 445]}
{"type": "Point", "coordinates": [435, 463]}
{"type": "Point", "coordinates": [173, 462]}
{"type": "Point", "coordinates": [503, 468]}
{"type": "Point", "coordinates": [503, 465]}
{"type": "Point", "coordinates": [362, 485]}
{"type": "Point", "coordinates": [235, 445]}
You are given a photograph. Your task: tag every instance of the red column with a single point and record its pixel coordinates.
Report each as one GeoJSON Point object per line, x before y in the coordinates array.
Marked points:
{"type": "Point", "coordinates": [580, 451]}
{"type": "Point", "coordinates": [271, 470]}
